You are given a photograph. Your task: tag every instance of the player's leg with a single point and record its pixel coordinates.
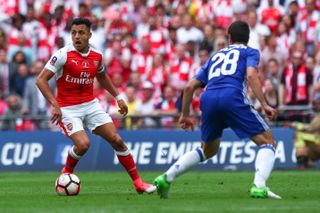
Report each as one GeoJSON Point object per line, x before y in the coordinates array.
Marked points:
{"type": "Point", "coordinates": [81, 145]}
{"type": "Point", "coordinates": [100, 123]}
{"type": "Point", "coordinates": [72, 127]}
{"type": "Point", "coordinates": [265, 157]}
{"type": "Point", "coordinates": [185, 163]}
{"type": "Point", "coordinates": [211, 131]}
{"type": "Point", "coordinates": [109, 133]}
{"type": "Point", "coordinates": [193, 158]}
{"type": "Point", "coordinates": [247, 123]}
{"type": "Point", "coordinates": [263, 165]}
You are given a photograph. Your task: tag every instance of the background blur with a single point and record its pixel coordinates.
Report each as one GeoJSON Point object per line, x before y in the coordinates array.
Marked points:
{"type": "Point", "coordinates": [152, 48]}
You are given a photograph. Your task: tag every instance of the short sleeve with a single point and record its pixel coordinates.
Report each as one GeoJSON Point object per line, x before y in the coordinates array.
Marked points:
{"type": "Point", "coordinates": [202, 75]}
{"type": "Point", "coordinates": [253, 58]}
{"type": "Point", "coordinates": [57, 61]}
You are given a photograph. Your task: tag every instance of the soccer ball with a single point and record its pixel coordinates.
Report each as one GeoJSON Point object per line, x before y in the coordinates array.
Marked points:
{"type": "Point", "coordinates": [67, 184]}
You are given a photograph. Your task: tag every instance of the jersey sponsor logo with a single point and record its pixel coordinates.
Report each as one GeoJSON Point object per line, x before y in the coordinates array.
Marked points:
{"type": "Point", "coordinates": [74, 61]}
{"type": "Point", "coordinates": [85, 74]}
{"type": "Point", "coordinates": [53, 60]}
{"type": "Point", "coordinates": [74, 80]}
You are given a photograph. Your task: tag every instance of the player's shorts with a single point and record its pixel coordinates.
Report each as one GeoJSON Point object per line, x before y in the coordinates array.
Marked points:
{"type": "Point", "coordinates": [86, 115]}
{"type": "Point", "coordinates": [224, 108]}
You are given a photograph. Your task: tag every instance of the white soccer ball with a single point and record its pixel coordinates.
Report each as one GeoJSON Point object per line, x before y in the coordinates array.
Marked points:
{"type": "Point", "coordinates": [67, 184]}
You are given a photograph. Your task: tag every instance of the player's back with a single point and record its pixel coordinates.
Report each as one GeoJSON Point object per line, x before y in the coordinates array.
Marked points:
{"type": "Point", "coordinates": [226, 69]}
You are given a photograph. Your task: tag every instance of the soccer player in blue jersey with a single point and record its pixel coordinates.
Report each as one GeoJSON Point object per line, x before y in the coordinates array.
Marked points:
{"type": "Point", "coordinates": [225, 104]}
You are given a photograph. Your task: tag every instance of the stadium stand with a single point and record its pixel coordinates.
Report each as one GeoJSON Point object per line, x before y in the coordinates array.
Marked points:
{"type": "Point", "coordinates": [160, 42]}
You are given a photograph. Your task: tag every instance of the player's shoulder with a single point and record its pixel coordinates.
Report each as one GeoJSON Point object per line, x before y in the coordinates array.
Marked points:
{"type": "Point", "coordinates": [252, 51]}
{"type": "Point", "coordinates": [96, 52]}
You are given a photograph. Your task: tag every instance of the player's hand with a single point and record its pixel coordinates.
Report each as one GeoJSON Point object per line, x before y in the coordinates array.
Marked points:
{"type": "Point", "coordinates": [270, 112]}
{"type": "Point", "coordinates": [186, 123]}
{"type": "Point", "coordinates": [56, 115]}
{"type": "Point", "coordinates": [123, 108]}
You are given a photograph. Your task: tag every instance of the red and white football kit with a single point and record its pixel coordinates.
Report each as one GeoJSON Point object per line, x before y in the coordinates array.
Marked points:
{"type": "Point", "coordinates": [75, 73]}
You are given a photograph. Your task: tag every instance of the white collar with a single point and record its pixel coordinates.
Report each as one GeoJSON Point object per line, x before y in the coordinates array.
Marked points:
{"type": "Point", "coordinates": [82, 54]}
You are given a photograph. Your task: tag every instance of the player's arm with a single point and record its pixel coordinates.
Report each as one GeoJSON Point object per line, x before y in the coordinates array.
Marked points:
{"type": "Point", "coordinates": [43, 85]}
{"type": "Point", "coordinates": [254, 83]}
{"type": "Point", "coordinates": [185, 121]}
{"type": "Point", "coordinates": [188, 91]}
{"type": "Point", "coordinates": [107, 84]}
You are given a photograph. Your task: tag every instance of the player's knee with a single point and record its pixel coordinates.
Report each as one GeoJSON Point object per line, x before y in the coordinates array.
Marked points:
{"type": "Point", "coordinates": [117, 143]}
{"type": "Point", "coordinates": [210, 149]}
{"type": "Point", "coordinates": [209, 153]}
{"type": "Point", "coordinates": [115, 139]}
{"type": "Point", "coordinates": [83, 146]}
{"type": "Point", "coordinates": [264, 139]}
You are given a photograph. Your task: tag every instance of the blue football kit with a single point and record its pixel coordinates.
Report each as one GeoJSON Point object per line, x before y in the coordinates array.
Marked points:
{"type": "Point", "coordinates": [224, 103]}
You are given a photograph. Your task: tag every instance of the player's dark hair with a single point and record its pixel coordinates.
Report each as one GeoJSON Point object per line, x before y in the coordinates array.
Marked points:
{"type": "Point", "coordinates": [79, 21]}
{"type": "Point", "coordinates": [239, 32]}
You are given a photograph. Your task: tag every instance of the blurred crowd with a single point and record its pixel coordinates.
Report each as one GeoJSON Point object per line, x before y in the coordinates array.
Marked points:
{"type": "Point", "coordinates": [152, 48]}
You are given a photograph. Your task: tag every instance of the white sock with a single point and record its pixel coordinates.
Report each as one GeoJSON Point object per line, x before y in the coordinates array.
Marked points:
{"type": "Point", "coordinates": [264, 164]}
{"type": "Point", "coordinates": [185, 163]}
{"type": "Point", "coordinates": [73, 154]}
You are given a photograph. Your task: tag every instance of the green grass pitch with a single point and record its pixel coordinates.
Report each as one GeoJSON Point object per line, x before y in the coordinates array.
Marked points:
{"type": "Point", "coordinates": [194, 192]}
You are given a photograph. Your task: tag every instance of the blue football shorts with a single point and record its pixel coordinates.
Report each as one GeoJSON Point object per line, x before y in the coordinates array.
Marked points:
{"type": "Point", "coordinates": [222, 109]}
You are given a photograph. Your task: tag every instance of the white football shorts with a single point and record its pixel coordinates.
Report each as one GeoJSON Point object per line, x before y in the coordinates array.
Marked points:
{"type": "Point", "coordinates": [88, 115]}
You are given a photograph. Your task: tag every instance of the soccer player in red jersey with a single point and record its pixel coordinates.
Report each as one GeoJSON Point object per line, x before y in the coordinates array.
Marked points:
{"type": "Point", "coordinates": [75, 66]}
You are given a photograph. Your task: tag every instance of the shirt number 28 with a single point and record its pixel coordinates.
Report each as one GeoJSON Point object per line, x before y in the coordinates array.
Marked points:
{"type": "Point", "coordinates": [227, 61]}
